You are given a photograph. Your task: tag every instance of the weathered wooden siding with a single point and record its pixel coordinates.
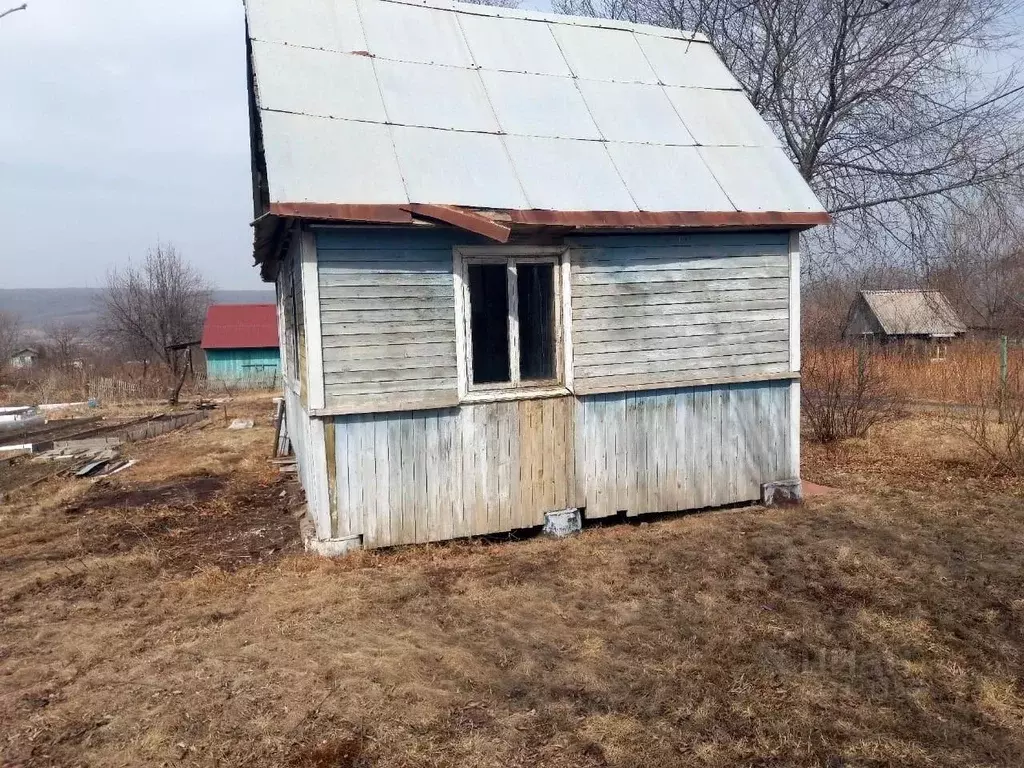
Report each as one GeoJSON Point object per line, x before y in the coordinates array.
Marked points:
{"type": "Point", "coordinates": [307, 435]}
{"type": "Point", "coordinates": [656, 311]}
{"type": "Point", "coordinates": [295, 266]}
{"type": "Point", "coordinates": [406, 478]}
{"type": "Point", "coordinates": [678, 449]}
{"type": "Point", "coordinates": [388, 316]}
{"type": "Point", "coordinates": [257, 366]}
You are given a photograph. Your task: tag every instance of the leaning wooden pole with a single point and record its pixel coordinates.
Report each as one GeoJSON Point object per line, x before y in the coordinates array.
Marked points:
{"type": "Point", "coordinates": [1004, 372]}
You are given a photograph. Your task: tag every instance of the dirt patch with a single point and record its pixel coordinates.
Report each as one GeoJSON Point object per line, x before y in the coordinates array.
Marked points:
{"type": "Point", "coordinates": [191, 523]}
{"type": "Point", "coordinates": [182, 492]}
{"type": "Point", "coordinates": [22, 471]}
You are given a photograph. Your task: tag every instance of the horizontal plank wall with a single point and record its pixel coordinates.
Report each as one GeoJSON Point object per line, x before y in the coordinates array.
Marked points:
{"type": "Point", "coordinates": [679, 449]}
{"type": "Point", "coordinates": [387, 304]}
{"type": "Point", "coordinates": [406, 478]}
{"type": "Point", "coordinates": [666, 310]}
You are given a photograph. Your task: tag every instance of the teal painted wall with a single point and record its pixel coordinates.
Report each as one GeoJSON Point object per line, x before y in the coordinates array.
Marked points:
{"type": "Point", "coordinates": [259, 366]}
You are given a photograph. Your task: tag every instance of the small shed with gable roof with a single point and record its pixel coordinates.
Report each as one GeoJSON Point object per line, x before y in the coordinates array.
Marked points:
{"type": "Point", "coordinates": [903, 315]}
{"type": "Point", "coordinates": [241, 344]}
{"type": "Point", "coordinates": [524, 262]}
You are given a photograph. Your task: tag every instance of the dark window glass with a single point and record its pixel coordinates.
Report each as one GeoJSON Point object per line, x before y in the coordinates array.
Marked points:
{"type": "Point", "coordinates": [488, 301]}
{"type": "Point", "coordinates": [536, 321]}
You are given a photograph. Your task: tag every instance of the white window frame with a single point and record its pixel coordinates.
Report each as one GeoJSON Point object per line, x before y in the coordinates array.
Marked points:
{"type": "Point", "coordinates": [514, 389]}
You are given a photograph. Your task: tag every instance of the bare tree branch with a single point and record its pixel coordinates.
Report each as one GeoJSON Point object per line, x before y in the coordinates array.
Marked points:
{"type": "Point", "coordinates": [9, 11]}
{"type": "Point", "coordinates": [63, 343]}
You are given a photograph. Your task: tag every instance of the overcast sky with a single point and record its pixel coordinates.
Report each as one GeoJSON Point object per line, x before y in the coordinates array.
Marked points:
{"type": "Point", "coordinates": [123, 122]}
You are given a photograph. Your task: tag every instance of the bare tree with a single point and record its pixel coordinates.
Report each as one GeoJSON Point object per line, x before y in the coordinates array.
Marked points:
{"type": "Point", "coordinates": [981, 264]}
{"type": "Point", "coordinates": [63, 343]}
{"type": "Point", "coordinates": [146, 309]}
{"type": "Point", "coordinates": [885, 106]}
{"type": "Point", "coordinates": [10, 337]}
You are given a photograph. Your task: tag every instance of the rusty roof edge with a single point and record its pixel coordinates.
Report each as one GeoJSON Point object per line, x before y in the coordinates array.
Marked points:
{"type": "Point", "coordinates": [495, 221]}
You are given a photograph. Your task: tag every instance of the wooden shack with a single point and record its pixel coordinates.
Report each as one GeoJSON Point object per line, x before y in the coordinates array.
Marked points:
{"type": "Point", "coordinates": [241, 346]}
{"type": "Point", "coordinates": [904, 316]}
{"type": "Point", "coordinates": [524, 263]}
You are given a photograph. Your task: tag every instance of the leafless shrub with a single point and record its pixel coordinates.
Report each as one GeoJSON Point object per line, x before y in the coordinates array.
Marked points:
{"type": "Point", "coordinates": [846, 392]}
{"type": "Point", "coordinates": [993, 419]}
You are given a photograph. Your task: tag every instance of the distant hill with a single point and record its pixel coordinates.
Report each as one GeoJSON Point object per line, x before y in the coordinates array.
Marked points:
{"type": "Point", "coordinates": [39, 307]}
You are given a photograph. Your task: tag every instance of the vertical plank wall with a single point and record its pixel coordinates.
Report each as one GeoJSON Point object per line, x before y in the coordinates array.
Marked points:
{"type": "Point", "coordinates": [254, 365]}
{"type": "Point", "coordinates": [412, 477]}
{"type": "Point", "coordinates": [422, 476]}
{"type": "Point", "coordinates": [679, 449]}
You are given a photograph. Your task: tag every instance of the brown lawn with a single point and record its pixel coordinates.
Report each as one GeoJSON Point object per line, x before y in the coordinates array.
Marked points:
{"type": "Point", "coordinates": [166, 617]}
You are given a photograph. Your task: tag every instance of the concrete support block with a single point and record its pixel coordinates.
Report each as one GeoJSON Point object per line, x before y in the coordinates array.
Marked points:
{"type": "Point", "coordinates": [564, 522]}
{"type": "Point", "coordinates": [326, 547]}
{"type": "Point", "coordinates": [781, 492]}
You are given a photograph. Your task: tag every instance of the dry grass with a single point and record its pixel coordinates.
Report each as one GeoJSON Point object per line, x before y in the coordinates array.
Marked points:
{"type": "Point", "coordinates": [970, 368]}
{"type": "Point", "coordinates": [878, 626]}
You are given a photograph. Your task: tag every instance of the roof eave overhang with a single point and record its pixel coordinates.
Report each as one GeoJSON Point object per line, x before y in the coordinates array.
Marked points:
{"type": "Point", "coordinates": [498, 225]}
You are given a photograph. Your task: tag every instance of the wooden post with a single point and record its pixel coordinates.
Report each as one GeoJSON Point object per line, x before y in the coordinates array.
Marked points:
{"type": "Point", "coordinates": [278, 423]}
{"type": "Point", "coordinates": [1003, 375]}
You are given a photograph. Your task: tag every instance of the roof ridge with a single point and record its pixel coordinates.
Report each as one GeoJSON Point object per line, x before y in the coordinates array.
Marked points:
{"type": "Point", "coordinates": [473, 9]}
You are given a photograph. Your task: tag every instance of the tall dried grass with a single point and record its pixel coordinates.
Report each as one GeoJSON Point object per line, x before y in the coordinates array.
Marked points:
{"type": "Point", "coordinates": [121, 386]}
{"type": "Point", "coordinates": [850, 388]}
{"type": "Point", "coordinates": [968, 366]}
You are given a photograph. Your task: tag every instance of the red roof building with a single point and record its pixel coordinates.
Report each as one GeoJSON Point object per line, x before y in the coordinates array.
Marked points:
{"type": "Point", "coordinates": [240, 326]}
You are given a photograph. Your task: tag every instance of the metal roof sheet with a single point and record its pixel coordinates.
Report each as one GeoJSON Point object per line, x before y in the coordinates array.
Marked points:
{"type": "Point", "coordinates": [693, 65]}
{"type": "Point", "coordinates": [603, 54]}
{"type": "Point", "coordinates": [345, 155]}
{"type": "Point", "coordinates": [668, 178]}
{"type": "Point", "coordinates": [566, 175]}
{"type": "Point", "coordinates": [513, 45]}
{"type": "Point", "coordinates": [721, 118]}
{"type": "Point", "coordinates": [280, 91]}
{"type": "Point", "coordinates": [914, 313]}
{"type": "Point", "coordinates": [759, 179]}
{"type": "Point", "coordinates": [240, 326]}
{"type": "Point", "coordinates": [633, 112]}
{"type": "Point", "coordinates": [457, 167]}
{"type": "Point", "coordinates": [536, 105]}
{"type": "Point", "coordinates": [440, 103]}
{"type": "Point", "coordinates": [409, 33]}
{"type": "Point", "coordinates": [330, 24]}
{"type": "Point", "coordinates": [431, 96]}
